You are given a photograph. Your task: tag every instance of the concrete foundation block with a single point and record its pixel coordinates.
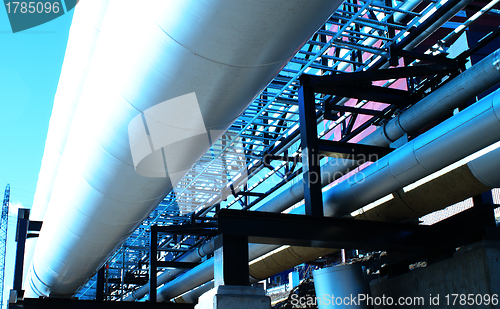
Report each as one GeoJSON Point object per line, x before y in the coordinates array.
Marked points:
{"type": "Point", "coordinates": [231, 297]}
{"type": "Point", "coordinates": [469, 279]}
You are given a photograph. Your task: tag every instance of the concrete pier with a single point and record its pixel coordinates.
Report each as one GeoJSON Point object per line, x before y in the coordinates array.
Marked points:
{"type": "Point", "coordinates": [231, 297]}
{"type": "Point", "coordinates": [469, 279]}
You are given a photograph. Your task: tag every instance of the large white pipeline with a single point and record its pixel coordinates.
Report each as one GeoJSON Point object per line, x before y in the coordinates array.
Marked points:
{"type": "Point", "coordinates": [84, 32]}
{"type": "Point", "coordinates": [148, 52]}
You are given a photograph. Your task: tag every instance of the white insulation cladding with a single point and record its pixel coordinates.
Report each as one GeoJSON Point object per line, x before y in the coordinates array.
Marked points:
{"type": "Point", "coordinates": [148, 52]}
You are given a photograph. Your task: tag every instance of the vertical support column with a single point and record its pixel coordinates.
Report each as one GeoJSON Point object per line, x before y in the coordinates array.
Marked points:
{"type": "Point", "coordinates": [310, 152]}
{"type": "Point", "coordinates": [153, 250]}
{"type": "Point", "coordinates": [122, 275]}
{"type": "Point", "coordinates": [231, 261]}
{"type": "Point", "coordinates": [322, 39]}
{"type": "Point", "coordinates": [22, 232]}
{"type": "Point", "coordinates": [394, 59]}
{"type": "Point", "coordinates": [485, 198]}
{"type": "Point", "coordinates": [99, 293]}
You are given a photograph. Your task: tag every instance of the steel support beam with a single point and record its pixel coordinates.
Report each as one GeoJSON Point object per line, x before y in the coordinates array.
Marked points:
{"type": "Point", "coordinates": [352, 151]}
{"type": "Point", "coordinates": [231, 260]}
{"type": "Point", "coordinates": [366, 91]}
{"type": "Point", "coordinates": [64, 303]}
{"type": "Point", "coordinates": [330, 232]}
{"type": "Point", "coordinates": [485, 198]}
{"type": "Point", "coordinates": [153, 263]}
{"type": "Point", "coordinates": [326, 232]}
{"type": "Point", "coordinates": [200, 229]}
{"type": "Point", "coordinates": [99, 289]}
{"type": "Point", "coordinates": [464, 228]}
{"type": "Point", "coordinates": [349, 109]}
{"type": "Point", "coordinates": [21, 235]}
{"type": "Point", "coordinates": [313, 197]}
{"type": "Point", "coordinates": [344, 79]}
{"type": "Point", "coordinates": [173, 264]}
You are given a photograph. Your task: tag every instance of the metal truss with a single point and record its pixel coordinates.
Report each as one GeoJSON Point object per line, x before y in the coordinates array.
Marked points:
{"type": "Point", "coordinates": [259, 155]}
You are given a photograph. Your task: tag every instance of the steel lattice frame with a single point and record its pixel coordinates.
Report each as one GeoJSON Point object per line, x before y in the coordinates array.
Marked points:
{"type": "Point", "coordinates": [235, 161]}
{"type": "Point", "coordinates": [4, 221]}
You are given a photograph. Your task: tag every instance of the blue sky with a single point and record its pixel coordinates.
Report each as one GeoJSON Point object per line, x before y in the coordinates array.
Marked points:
{"type": "Point", "coordinates": [30, 65]}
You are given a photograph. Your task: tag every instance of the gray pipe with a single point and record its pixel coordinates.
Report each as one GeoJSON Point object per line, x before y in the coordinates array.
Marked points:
{"type": "Point", "coordinates": [483, 168]}
{"type": "Point", "coordinates": [469, 131]}
{"type": "Point", "coordinates": [203, 273]}
{"type": "Point", "coordinates": [407, 6]}
{"type": "Point", "coordinates": [194, 256]}
{"type": "Point", "coordinates": [458, 183]}
{"type": "Point", "coordinates": [430, 30]}
{"type": "Point", "coordinates": [330, 172]}
{"type": "Point", "coordinates": [191, 297]}
{"type": "Point", "coordinates": [254, 250]}
{"type": "Point", "coordinates": [193, 278]}
{"type": "Point", "coordinates": [474, 81]}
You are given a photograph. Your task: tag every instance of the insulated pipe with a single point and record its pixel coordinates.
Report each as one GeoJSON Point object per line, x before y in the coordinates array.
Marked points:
{"type": "Point", "coordinates": [407, 6]}
{"type": "Point", "coordinates": [483, 168]}
{"type": "Point", "coordinates": [469, 131]}
{"type": "Point", "coordinates": [194, 256]}
{"type": "Point", "coordinates": [192, 296]}
{"type": "Point", "coordinates": [430, 30]}
{"type": "Point", "coordinates": [223, 52]}
{"type": "Point", "coordinates": [199, 275]}
{"type": "Point", "coordinates": [474, 81]}
{"type": "Point", "coordinates": [463, 181]}
{"type": "Point", "coordinates": [284, 258]}
{"type": "Point", "coordinates": [83, 35]}
{"type": "Point", "coordinates": [208, 248]}
{"type": "Point", "coordinates": [205, 272]}
{"type": "Point", "coordinates": [330, 171]}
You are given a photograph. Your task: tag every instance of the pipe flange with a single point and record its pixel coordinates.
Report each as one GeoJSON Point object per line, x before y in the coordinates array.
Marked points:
{"type": "Point", "coordinates": [384, 124]}
{"type": "Point", "coordinates": [496, 64]}
{"type": "Point", "coordinates": [398, 122]}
